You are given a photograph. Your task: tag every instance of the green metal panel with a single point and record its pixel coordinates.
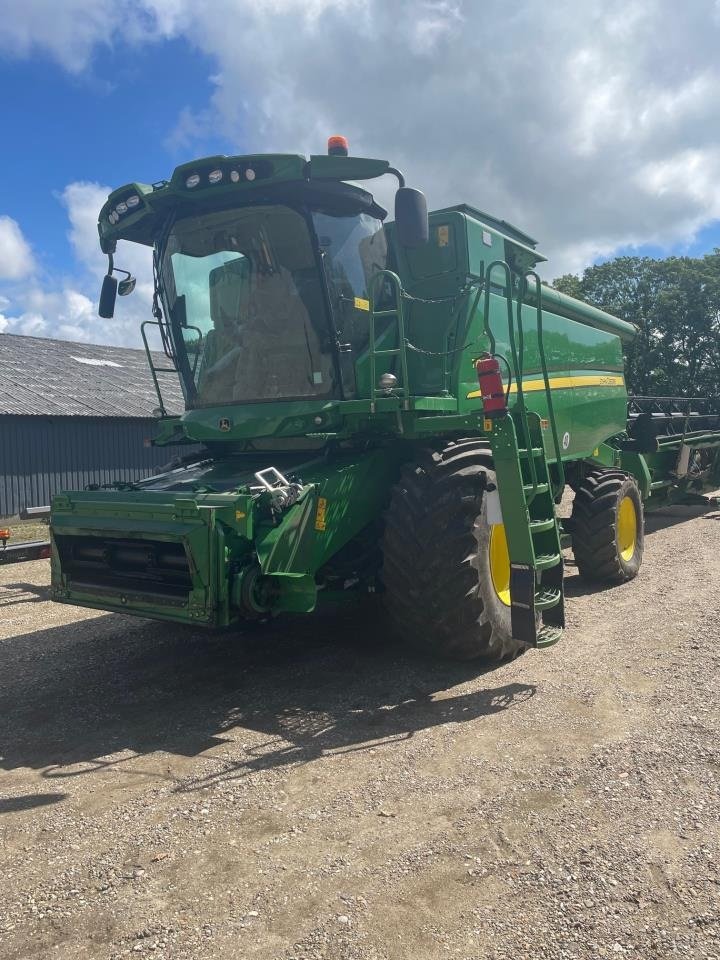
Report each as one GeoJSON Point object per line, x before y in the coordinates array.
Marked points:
{"type": "Point", "coordinates": [637, 465]}
{"type": "Point", "coordinates": [585, 367]}
{"type": "Point", "coordinates": [220, 532]}
{"type": "Point", "coordinates": [435, 276]}
{"type": "Point", "coordinates": [565, 306]}
{"type": "Point", "coordinates": [335, 167]}
{"type": "Point", "coordinates": [144, 517]}
{"type": "Point", "coordinates": [356, 489]}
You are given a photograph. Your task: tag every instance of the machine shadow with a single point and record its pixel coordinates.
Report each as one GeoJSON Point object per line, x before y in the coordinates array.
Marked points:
{"type": "Point", "coordinates": [672, 515]}
{"type": "Point", "coordinates": [14, 593]}
{"type": "Point", "coordinates": [30, 801]}
{"type": "Point", "coordinates": [73, 696]}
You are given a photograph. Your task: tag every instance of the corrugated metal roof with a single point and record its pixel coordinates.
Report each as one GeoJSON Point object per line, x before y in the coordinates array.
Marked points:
{"type": "Point", "coordinates": [65, 379]}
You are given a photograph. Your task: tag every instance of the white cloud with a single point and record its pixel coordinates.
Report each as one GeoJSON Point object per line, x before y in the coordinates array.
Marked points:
{"type": "Point", "coordinates": [558, 122]}
{"type": "Point", "coordinates": [70, 312]}
{"type": "Point", "coordinates": [592, 126]}
{"type": "Point", "coordinates": [83, 201]}
{"type": "Point", "coordinates": [70, 31]}
{"type": "Point", "coordinates": [16, 259]}
{"type": "Point", "coordinates": [436, 19]}
{"type": "Point", "coordinates": [686, 174]}
{"type": "Point", "coordinates": [28, 323]}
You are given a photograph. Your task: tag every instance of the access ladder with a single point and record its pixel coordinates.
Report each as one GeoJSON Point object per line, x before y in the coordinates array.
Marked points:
{"type": "Point", "coordinates": [526, 487]}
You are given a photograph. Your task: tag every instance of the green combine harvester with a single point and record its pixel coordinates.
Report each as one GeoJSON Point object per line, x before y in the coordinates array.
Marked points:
{"type": "Point", "coordinates": [380, 408]}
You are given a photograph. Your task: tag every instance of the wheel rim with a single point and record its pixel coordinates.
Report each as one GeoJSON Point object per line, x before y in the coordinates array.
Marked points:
{"type": "Point", "coordinates": [627, 528]}
{"type": "Point", "coordinates": [500, 563]}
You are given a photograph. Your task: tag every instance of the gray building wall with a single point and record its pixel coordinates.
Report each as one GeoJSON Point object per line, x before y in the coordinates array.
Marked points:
{"type": "Point", "coordinates": [39, 456]}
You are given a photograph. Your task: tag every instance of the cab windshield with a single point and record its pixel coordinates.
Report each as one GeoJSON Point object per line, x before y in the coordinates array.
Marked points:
{"type": "Point", "coordinates": [246, 307]}
{"type": "Point", "coordinates": [247, 301]}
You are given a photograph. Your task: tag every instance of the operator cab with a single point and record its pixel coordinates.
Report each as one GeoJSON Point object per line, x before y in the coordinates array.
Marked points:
{"type": "Point", "coordinates": [264, 270]}
{"type": "Point", "coordinates": [262, 298]}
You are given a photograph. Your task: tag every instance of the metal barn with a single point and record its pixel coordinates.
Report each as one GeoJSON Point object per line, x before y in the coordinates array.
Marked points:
{"type": "Point", "coordinates": [72, 414]}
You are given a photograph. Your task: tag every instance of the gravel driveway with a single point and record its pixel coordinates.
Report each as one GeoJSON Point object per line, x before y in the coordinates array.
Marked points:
{"type": "Point", "coordinates": [302, 794]}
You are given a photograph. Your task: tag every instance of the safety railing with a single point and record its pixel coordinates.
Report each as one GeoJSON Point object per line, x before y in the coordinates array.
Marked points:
{"type": "Point", "coordinates": [394, 313]}
{"type": "Point", "coordinates": [168, 351]}
{"type": "Point", "coordinates": [517, 353]}
{"type": "Point", "coordinates": [543, 363]}
{"type": "Point", "coordinates": [516, 338]}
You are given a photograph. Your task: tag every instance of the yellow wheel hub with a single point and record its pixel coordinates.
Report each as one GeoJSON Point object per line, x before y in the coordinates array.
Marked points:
{"type": "Point", "coordinates": [627, 526]}
{"type": "Point", "coordinates": [500, 563]}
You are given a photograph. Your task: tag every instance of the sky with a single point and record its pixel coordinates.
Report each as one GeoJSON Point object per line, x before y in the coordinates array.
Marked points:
{"type": "Point", "coordinates": [593, 126]}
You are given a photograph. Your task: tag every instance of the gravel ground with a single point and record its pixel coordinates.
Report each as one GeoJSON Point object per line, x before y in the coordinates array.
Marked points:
{"type": "Point", "coordinates": [297, 794]}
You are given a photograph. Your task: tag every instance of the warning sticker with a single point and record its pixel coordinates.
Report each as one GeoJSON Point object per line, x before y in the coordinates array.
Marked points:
{"type": "Point", "coordinates": [361, 304]}
{"type": "Point", "coordinates": [443, 235]}
{"type": "Point", "coordinates": [320, 513]}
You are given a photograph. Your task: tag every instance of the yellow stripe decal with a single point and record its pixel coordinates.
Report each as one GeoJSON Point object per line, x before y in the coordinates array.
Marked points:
{"type": "Point", "coordinates": [563, 383]}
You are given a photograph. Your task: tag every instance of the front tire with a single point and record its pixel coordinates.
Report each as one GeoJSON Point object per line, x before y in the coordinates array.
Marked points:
{"type": "Point", "coordinates": [608, 527]}
{"type": "Point", "coordinates": [437, 568]}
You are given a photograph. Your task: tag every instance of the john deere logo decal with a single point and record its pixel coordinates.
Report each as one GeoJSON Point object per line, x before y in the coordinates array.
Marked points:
{"type": "Point", "coordinates": [224, 423]}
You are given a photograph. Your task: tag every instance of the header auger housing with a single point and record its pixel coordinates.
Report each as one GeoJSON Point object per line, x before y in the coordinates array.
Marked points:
{"type": "Point", "coordinates": [389, 408]}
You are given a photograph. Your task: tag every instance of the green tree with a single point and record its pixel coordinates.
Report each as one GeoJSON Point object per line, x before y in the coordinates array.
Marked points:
{"type": "Point", "coordinates": [675, 303]}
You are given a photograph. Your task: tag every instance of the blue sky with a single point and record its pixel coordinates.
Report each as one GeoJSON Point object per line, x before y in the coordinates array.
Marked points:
{"type": "Point", "coordinates": [110, 125]}
{"type": "Point", "coordinates": [704, 241]}
{"type": "Point", "coordinates": [607, 144]}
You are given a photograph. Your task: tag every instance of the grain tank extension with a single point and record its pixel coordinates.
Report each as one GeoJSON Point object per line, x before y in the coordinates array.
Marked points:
{"type": "Point", "coordinates": [386, 408]}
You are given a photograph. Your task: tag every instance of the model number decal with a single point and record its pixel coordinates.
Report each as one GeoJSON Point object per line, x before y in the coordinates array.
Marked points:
{"type": "Point", "coordinates": [320, 513]}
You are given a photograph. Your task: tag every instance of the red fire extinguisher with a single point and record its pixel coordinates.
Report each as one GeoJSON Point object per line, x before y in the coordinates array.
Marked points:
{"type": "Point", "coordinates": [491, 386]}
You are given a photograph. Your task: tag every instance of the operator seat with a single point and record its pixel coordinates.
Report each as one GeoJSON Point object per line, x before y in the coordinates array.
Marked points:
{"type": "Point", "coordinates": [281, 352]}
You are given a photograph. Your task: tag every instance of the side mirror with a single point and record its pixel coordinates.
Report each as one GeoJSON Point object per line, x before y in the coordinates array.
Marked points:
{"type": "Point", "coordinates": [108, 293]}
{"type": "Point", "coordinates": [411, 217]}
{"type": "Point", "coordinates": [126, 286]}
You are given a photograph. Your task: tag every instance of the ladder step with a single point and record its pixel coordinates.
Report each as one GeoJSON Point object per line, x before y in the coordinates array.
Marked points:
{"type": "Point", "coordinates": [385, 313]}
{"type": "Point", "coordinates": [388, 353]}
{"type": "Point", "coordinates": [530, 451]}
{"type": "Point", "coordinates": [547, 636]}
{"type": "Point", "coordinates": [548, 597]}
{"type": "Point", "coordinates": [540, 488]}
{"type": "Point", "coordinates": [545, 560]}
{"type": "Point", "coordinates": [537, 526]}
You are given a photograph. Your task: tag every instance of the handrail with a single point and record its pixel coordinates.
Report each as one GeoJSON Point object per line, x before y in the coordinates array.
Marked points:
{"type": "Point", "coordinates": [167, 350]}
{"type": "Point", "coordinates": [521, 397]}
{"type": "Point", "coordinates": [543, 365]}
{"type": "Point", "coordinates": [517, 359]}
{"type": "Point", "coordinates": [153, 370]}
{"type": "Point", "coordinates": [508, 298]}
{"type": "Point", "coordinates": [401, 349]}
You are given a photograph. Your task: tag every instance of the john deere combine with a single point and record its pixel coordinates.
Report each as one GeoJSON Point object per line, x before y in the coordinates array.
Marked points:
{"type": "Point", "coordinates": [387, 408]}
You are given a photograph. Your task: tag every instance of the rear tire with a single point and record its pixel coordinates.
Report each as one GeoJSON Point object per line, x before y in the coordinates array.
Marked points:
{"type": "Point", "coordinates": [608, 527]}
{"type": "Point", "coordinates": [439, 592]}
